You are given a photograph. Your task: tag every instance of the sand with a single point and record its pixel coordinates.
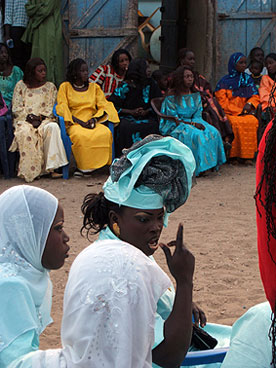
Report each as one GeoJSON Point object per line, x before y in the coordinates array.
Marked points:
{"type": "Point", "coordinates": [219, 229]}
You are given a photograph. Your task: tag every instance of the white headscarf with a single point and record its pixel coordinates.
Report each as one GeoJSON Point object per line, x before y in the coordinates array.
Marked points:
{"type": "Point", "coordinates": [26, 216]}
{"type": "Point", "coordinates": [109, 310]}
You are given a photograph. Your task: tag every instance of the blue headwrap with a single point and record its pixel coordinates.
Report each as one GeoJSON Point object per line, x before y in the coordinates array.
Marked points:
{"type": "Point", "coordinates": [241, 84]}
{"type": "Point", "coordinates": [154, 173]}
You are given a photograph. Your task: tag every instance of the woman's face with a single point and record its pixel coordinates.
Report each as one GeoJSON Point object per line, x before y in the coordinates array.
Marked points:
{"type": "Point", "coordinates": [83, 73]}
{"type": "Point", "coordinates": [40, 73]}
{"type": "Point", "coordinates": [56, 248]}
{"type": "Point", "coordinates": [241, 65]}
{"type": "Point", "coordinates": [141, 228]}
{"type": "Point", "coordinates": [259, 55]}
{"type": "Point", "coordinates": [188, 60]}
{"type": "Point", "coordinates": [270, 65]}
{"type": "Point", "coordinates": [4, 56]}
{"type": "Point", "coordinates": [123, 62]}
{"type": "Point", "coordinates": [188, 78]}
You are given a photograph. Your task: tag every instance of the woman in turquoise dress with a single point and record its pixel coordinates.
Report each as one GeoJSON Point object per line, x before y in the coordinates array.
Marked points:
{"type": "Point", "coordinates": [9, 76]}
{"type": "Point", "coordinates": [188, 126]}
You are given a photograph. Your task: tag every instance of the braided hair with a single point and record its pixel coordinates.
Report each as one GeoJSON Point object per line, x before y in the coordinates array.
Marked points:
{"type": "Point", "coordinates": [268, 180]}
{"type": "Point", "coordinates": [73, 71]}
{"type": "Point", "coordinates": [96, 208]}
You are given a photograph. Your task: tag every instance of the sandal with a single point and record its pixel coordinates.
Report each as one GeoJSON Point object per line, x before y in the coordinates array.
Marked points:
{"type": "Point", "coordinates": [78, 174]}
{"type": "Point", "coordinates": [55, 175]}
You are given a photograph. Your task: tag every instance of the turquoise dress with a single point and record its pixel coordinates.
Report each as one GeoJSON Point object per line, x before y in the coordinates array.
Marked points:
{"type": "Point", "coordinates": [250, 345]}
{"type": "Point", "coordinates": [206, 145]}
{"type": "Point", "coordinates": [7, 84]}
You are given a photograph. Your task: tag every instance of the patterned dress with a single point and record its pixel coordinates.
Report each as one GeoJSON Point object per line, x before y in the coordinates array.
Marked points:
{"type": "Point", "coordinates": [41, 149]}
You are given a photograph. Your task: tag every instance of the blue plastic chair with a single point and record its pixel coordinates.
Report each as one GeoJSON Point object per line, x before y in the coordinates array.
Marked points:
{"type": "Point", "coordinates": [67, 142]}
{"type": "Point", "coordinates": [204, 357]}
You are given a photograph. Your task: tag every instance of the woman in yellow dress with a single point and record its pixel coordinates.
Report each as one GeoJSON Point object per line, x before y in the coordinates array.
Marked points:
{"type": "Point", "coordinates": [85, 111]}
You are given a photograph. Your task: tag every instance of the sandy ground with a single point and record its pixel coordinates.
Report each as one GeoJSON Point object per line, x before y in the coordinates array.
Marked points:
{"type": "Point", "coordinates": [219, 228]}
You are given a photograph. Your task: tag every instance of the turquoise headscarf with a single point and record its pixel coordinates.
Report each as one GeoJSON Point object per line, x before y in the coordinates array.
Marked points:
{"type": "Point", "coordinates": [154, 173]}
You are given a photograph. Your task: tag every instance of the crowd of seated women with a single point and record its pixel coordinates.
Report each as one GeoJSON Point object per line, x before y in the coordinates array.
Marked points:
{"type": "Point", "coordinates": [216, 126]}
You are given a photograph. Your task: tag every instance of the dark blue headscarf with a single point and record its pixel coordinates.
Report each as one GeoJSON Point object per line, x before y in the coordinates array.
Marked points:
{"type": "Point", "coordinates": [241, 84]}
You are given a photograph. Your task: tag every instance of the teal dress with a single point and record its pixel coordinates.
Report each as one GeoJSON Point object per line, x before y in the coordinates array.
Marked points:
{"type": "Point", "coordinates": [206, 145]}
{"type": "Point", "coordinates": [7, 84]}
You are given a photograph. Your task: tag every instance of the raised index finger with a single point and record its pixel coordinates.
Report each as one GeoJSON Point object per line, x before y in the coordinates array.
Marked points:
{"type": "Point", "coordinates": [179, 238]}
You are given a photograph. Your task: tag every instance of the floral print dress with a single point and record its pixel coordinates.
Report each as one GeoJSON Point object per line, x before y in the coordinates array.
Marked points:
{"type": "Point", "coordinates": [41, 149]}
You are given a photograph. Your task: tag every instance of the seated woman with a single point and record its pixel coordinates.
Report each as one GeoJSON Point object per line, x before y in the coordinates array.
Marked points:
{"type": "Point", "coordinates": [212, 111]}
{"type": "Point", "coordinates": [132, 101]}
{"type": "Point", "coordinates": [187, 125]}
{"type": "Point", "coordinates": [238, 96]}
{"type": "Point", "coordinates": [267, 92]}
{"type": "Point", "coordinates": [7, 159]}
{"type": "Point", "coordinates": [113, 286]}
{"type": "Point", "coordinates": [109, 76]}
{"type": "Point", "coordinates": [32, 242]}
{"type": "Point", "coordinates": [84, 109]}
{"type": "Point", "coordinates": [9, 76]}
{"type": "Point", "coordinates": [253, 340]}
{"type": "Point", "coordinates": [37, 134]}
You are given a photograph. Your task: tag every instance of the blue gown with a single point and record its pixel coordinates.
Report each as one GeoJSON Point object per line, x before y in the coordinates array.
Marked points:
{"type": "Point", "coordinates": [206, 145]}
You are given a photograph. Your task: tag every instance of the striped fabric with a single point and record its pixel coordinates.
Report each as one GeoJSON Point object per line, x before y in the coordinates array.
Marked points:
{"type": "Point", "coordinates": [106, 77]}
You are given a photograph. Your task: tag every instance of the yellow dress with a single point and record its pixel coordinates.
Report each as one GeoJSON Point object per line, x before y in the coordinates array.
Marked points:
{"type": "Point", "coordinates": [92, 148]}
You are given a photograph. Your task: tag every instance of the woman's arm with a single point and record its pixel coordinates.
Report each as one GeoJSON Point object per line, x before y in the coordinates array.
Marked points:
{"type": "Point", "coordinates": [18, 105]}
{"type": "Point", "coordinates": [63, 105]}
{"type": "Point", "coordinates": [264, 91]}
{"type": "Point", "coordinates": [105, 106]}
{"type": "Point", "coordinates": [223, 100]}
{"type": "Point", "coordinates": [178, 327]}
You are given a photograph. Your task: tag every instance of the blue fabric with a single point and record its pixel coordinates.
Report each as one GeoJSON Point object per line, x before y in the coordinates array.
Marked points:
{"type": "Point", "coordinates": [122, 91]}
{"type": "Point", "coordinates": [206, 145]}
{"type": "Point", "coordinates": [146, 93]}
{"type": "Point", "coordinates": [241, 84]}
{"type": "Point", "coordinates": [250, 345]}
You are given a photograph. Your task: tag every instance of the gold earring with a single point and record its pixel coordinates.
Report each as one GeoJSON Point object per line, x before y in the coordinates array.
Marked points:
{"type": "Point", "coordinates": [116, 229]}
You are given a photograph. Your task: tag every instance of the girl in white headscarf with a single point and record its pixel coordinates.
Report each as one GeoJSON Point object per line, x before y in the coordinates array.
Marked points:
{"type": "Point", "coordinates": [113, 287]}
{"type": "Point", "coordinates": [32, 241]}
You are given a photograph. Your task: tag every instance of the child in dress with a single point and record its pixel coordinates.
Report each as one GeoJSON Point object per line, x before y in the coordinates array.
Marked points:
{"type": "Point", "coordinates": [256, 68]}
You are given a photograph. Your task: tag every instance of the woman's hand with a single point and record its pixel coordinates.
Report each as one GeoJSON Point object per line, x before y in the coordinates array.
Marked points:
{"type": "Point", "coordinates": [34, 120]}
{"type": "Point", "coordinates": [137, 112]}
{"type": "Point", "coordinates": [181, 263]}
{"type": "Point", "coordinates": [81, 123]}
{"type": "Point", "coordinates": [198, 126]}
{"type": "Point", "coordinates": [248, 107]}
{"type": "Point", "coordinates": [91, 123]}
{"type": "Point", "coordinates": [199, 315]}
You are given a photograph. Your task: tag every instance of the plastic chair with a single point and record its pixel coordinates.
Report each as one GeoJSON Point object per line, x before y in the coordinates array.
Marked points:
{"type": "Point", "coordinates": [67, 142]}
{"type": "Point", "coordinates": [156, 104]}
{"type": "Point", "coordinates": [204, 357]}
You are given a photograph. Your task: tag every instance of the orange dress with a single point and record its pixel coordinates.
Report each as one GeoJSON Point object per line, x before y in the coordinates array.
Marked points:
{"type": "Point", "coordinates": [264, 91]}
{"type": "Point", "coordinates": [244, 127]}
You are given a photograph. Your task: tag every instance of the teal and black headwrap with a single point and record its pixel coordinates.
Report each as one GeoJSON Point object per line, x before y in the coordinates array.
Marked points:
{"type": "Point", "coordinates": [154, 173]}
